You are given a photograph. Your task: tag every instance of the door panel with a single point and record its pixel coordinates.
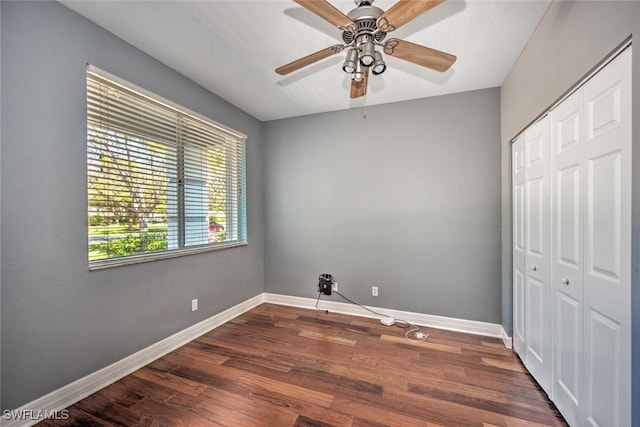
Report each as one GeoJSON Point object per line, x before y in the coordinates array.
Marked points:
{"type": "Point", "coordinates": [568, 217]}
{"type": "Point", "coordinates": [537, 252]}
{"type": "Point", "coordinates": [568, 126]}
{"type": "Point", "coordinates": [604, 110]}
{"type": "Point", "coordinates": [518, 158]}
{"type": "Point", "coordinates": [535, 218]}
{"type": "Point", "coordinates": [535, 314]}
{"type": "Point", "coordinates": [603, 210]}
{"type": "Point", "coordinates": [534, 149]}
{"type": "Point", "coordinates": [607, 276]}
{"type": "Point", "coordinates": [567, 161]}
{"type": "Point", "coordinates": [519, 312]}
{"type": "Point", "coordinates": [603, 354]}
{"type": "Point", "coordinates": [569, 359]}
{"type": "Point", "coordinates": [519, 328]}
{"type": "Point", "coordinates": [518, 218]}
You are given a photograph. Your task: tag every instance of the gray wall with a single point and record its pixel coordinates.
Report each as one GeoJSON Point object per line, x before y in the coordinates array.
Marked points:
{"type": "Point", "coordinates": [61, 322]}
{"type": "Point", "coordinates": [571, 39]}
{"type": "Point", "coordinates": [407, 199]}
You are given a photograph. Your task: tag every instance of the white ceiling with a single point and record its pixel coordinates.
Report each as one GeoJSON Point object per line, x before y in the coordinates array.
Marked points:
{"type": "Point", "coordinates": [232, 48]}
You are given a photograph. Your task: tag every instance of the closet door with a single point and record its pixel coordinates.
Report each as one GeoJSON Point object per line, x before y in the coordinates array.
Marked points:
{"type": "Point", "coordinates": [517, 169]}
{"type": "Point", "coordinates": [537, 247]}
{"type": "Point", "coordinates": [567, 263]}
{"type": "Point", "coordinates": [607, 258]}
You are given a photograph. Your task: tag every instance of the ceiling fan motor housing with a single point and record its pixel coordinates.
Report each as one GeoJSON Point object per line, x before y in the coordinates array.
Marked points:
{"type": "Point", "coordinates": [365, 17]}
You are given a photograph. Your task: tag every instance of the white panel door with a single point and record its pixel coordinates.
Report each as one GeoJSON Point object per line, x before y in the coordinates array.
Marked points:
{"type": "Point", "coordinates": [537, 247]}
{"type": "Point", "coordinates": [607, 257]}
{"type": "Point", "coordinates": [517, 169]}
{"type": "Point", "coordinates": [567, 165]}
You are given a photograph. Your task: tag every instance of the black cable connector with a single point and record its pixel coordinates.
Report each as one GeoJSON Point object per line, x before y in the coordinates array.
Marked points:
{"type": "Point", "coordinates": [318, 300]}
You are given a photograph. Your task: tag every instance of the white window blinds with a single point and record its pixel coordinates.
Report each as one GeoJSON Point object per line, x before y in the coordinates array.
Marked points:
{"type": "Point", "coordinates": [161, 180]}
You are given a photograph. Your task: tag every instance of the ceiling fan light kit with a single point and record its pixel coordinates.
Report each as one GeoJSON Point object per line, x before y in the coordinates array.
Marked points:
{"type": "Point", "coordinates": [366, 53]}
{"type": "Point", "coordinates": [350, 61]}
{"type": "Point", "coordinates": [366, 27]}
{"type": "Point", "coordinates": [358, 76]}
{"type": "Point", "coordinates": [378, 66]}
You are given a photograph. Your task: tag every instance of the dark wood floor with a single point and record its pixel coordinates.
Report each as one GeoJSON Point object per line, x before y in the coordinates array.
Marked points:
{"type": "Point", "coordinates": [283, 366]}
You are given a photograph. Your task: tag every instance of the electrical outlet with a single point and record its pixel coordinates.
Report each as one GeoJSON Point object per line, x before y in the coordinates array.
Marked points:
{"type": "Point", "coordinates": [374, 291]}
{"type": "Point", "coordinates": [334, 287]}
{"type": "Point", "coordinates": [194, 304]}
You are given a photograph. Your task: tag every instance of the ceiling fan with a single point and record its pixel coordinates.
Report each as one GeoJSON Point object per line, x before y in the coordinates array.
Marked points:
{"type": "Point", "coordinates": [366, 27]}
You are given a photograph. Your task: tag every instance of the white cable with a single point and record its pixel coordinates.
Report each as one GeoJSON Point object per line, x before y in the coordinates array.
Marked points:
{"type": "Point", "coordinates": [419, 336]}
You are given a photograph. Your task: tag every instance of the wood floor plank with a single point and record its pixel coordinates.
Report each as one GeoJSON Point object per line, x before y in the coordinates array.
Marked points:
{"type": "Point", "coordinates": [375, 413]}
{"type": "Point", "coordinates": [230, 410]}
{"type": "Point", "coordinates": [166, 414]}
{"type": "Point", "coordinates": [286, 366]}
{"type": "Point", "coordinates": [490, 405]}
{"type": "Point", "coordinates": [334, 339]}
{"type": "Point", "coordinates": [77, 418]}
{"type": "Point", "coordinates": [121, 395]}
{"type": "Point", "coordinates": [189, 403]}
{"type": "Point", "coordinates": [103, 408]}
{"type": "Point", "coordinates": [269, 401]}
{"type": "Point", "coordinates": [257, 395]}
{"type": "Point", "coordinates": [169, 380]}
{"type": "Point", "coordinates": [424, 344]}
{"type": "Point", "coordinates": [502, 364]}
{"type": "Point", "coordinates": [156, 391]}
{"type": "Point", "coordinates": [197, 353]}
{"type": "Point", "coordinates": [319, 398]}
{"type": "Point", "coordinates": [224, 378]}
{"type": "Point", "coordinates": [255, 410]}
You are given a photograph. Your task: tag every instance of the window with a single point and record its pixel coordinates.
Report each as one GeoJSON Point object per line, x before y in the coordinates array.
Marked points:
{"type": "Point", "coordinates": [161, 181]}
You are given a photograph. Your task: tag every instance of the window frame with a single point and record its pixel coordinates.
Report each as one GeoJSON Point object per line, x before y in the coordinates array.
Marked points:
{"type": "Point", "coordinates": [241, 200]}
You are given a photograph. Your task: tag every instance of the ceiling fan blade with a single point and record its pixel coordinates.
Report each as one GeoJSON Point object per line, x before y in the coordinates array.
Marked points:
{"type": "Point", "coordinates": [403, 12]}
{"type": "Point", "coordinates": [328, 12]}
{"type": "Point", "coordinates": [309, 59]}
{"type": "Point", "coordinates": [420, 55]}
{"type": "Point", "coordinates": [359, 89]}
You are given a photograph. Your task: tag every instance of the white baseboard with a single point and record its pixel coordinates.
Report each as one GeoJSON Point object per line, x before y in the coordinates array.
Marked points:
{"type": "Point", "coordinates": [508, 341]}
{"type": "Point", "coordinates": [66, 396]}
{"type": "Point", "coordinates": [78, 390]}
{"type": "Point", "coordinates": [448, 323]}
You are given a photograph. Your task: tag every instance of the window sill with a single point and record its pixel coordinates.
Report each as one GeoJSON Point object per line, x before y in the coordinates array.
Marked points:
{"type": "Point", "coordinates": [137, 259]}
